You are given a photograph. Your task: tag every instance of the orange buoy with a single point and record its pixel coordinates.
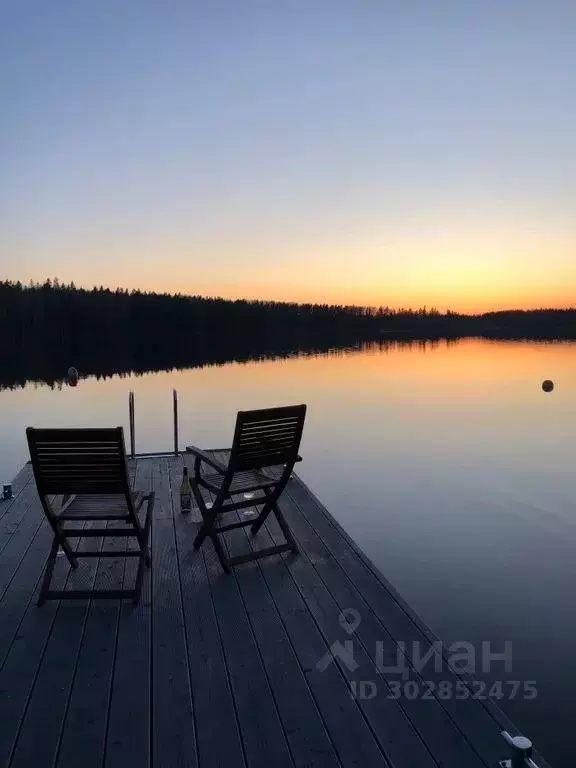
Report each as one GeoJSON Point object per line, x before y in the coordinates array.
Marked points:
{"type": "Point", "coordinates": [547, 385]}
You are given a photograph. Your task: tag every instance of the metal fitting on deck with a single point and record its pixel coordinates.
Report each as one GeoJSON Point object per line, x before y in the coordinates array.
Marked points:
{"type": "Point", "coordinates": [521, 752]}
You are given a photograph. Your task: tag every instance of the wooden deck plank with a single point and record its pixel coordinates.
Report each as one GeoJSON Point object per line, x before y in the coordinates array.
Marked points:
{"type": "Point", "coordinates": [84, 731]}
{"type": "Point", "coordinates": [474, 714]}
{"type": "Point", "coordinates": [21, 590]}
{"type": "Point", "coordinates": [354, 742]}
{"type": "Point", "coordinates": [219, 743]}
{"type": "Point", "coordinates": [18, 544]}
{"type": "Point", "coordinates": [347, 728]}
{"type": "Point", "coordinates": [261, 728]}
{"type": "Point", "coordinates": [211, 670]}
{"type": "Point", "coordinates": [20, 507]}
{"type": "Point", "coordinates": [39, 737]}
{"type": "Point", "coordinates": [442, 737]}
{"type": "Point", "coordinates": [398, 740]}
{"type": "Point", "coordinates": [20, 671]}
{"type": "Point", "coordinates": [20, 482]}
{"type": "Point", "coordinates": [305, 730]}
{"type": "Point", "coordinates": [173, 733]}
{"type": "Point", "coordinates": [450, 746]}
{"type": "Point", "coordinates": [129, 717]}
{"type": "Point", "coordinates": [480, 728]}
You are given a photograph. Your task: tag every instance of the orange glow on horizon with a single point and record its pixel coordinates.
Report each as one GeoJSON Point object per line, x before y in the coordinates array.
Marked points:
{"type": "Point", "coordinates": [465, 300]}
{"type": "Point", "coordinates": [469, 270]}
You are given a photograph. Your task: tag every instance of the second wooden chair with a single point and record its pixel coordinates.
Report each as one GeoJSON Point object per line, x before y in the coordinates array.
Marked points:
{"type": "Point", "coordinates": [263, 454]}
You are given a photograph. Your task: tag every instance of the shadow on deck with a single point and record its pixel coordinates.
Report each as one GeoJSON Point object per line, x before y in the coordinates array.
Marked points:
{"type": "Point", "coordinates": [215, 670]}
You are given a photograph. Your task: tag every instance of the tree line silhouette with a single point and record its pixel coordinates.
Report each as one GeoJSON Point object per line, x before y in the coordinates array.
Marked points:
{"type": "Point", "coordinates": [47, 327]}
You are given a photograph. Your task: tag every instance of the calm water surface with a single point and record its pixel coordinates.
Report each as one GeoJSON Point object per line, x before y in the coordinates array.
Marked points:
{"type": "Point", "coordinates": [447, 463]}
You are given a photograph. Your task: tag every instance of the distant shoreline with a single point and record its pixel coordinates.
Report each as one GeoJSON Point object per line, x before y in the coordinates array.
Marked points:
{"type": "Point", "coordinates": [51, 370]}
{"type": "Point", "coordinates": [46, 328]}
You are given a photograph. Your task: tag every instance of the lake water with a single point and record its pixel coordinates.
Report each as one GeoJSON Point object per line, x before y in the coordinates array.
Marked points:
{"type": "Point", "coordinates": [446, 462]}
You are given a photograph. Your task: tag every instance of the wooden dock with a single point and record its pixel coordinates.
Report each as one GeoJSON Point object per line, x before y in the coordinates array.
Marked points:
{"type": "Point", "coordinates": [214, 670]}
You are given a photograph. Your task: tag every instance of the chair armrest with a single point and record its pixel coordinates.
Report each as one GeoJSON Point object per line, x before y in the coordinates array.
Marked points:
{"type": "Point", "coordinates": [214, 463]}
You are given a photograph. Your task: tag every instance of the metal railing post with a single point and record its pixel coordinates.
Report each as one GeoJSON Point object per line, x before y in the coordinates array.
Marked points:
{"type": "Point", "coordinates": [175, 402]}
{"type": "Point", "coordinates": [131, 423]}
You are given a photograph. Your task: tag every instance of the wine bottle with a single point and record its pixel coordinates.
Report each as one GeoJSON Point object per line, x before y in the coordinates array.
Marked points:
{"type": "Point", "coordinates": [185, 493]}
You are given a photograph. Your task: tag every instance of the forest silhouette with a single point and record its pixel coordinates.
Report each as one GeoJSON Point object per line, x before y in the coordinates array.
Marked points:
{"type": "Point", "coordinates": [47, 327]}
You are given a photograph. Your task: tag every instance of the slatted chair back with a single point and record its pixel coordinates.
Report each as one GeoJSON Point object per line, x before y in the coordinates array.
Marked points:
{"type": "Point", "coordinates": [78, 461]}
{"type": "Point", "coordinates": [266, 438]}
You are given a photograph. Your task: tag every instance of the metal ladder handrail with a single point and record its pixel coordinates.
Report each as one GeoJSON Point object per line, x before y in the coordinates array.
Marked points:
{"type": "Point", "coordinates": [132, 425]}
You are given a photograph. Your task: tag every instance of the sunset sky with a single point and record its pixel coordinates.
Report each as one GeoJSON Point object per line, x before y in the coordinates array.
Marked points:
{"type": "Point", "coordinates": [399, 152]}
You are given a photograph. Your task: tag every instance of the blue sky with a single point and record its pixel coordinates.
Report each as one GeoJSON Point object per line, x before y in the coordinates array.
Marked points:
{"type": "Point", "coordinates": [372, 152]}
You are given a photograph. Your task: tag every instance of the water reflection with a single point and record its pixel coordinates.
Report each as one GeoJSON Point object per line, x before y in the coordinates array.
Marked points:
{"type": "Point", "coordinates": [444, 459]}
{"type": "Point", "coordinates": [102, 364]}
{"type": "Point", "coordinates": [57, 370]}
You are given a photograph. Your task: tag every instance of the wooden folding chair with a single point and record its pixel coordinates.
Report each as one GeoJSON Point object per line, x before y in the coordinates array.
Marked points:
{"type": "Point", "coordinates": [262, 458]}
{"type": "Point", "coordinates": [87, 467]}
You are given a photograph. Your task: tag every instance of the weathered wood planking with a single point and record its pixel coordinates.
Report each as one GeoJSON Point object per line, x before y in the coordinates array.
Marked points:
{"type": "Point", "coordinates": [173, 730]}
{"type": "Point", "coordinates": [84, 732]}
{"type": "Point", "coordinates": [20, 664]}
{"type": "Point", "coordinates": [481, 720]}
{"type": "Point", "coordinates": [22, 480]}
{"type": "Point", "coordinates": [212, 670]}
{"type": "Point", "coordinates": [42, 721]}
{"type": "Point", "coordinates": [129, 714]}
{"type": "Point", "coordinates": [209, 674]}
{"type": "Point", "coordinates": [305, 729]}
{"type": "Point", "coordinates": [428, 718]}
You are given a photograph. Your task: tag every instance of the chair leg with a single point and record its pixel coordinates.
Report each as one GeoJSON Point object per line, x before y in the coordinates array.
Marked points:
{"type": "Point", "coordinates": [145, 534]}
{"type": "Point", "coordinates": [200, 536]}
{"type": "Point", "coordinates": [266, 509]}
{"type": "Point", "coordinates": [59, 534]}
{"type": "Point", "coordinates": [285, 528]}
{"type": "Point", "coordinates": [220, 552]}
{"type": "Point", "coordinates": [205, 531]}
{"type": "Point", "coordinates": [208, 516]}
{"type": "Point", "coordinates": [142, 536]}
{"type": "Point", "coordinates": [48, 571]}
{"type": "Point", "coordinates": [139, 577]}
{"type": "Point", "coordinates": [208, 531]}
{"type": "Point", "coordinates": [71, 557]}
{"type": "Point", "coordinates": [261, 519]}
